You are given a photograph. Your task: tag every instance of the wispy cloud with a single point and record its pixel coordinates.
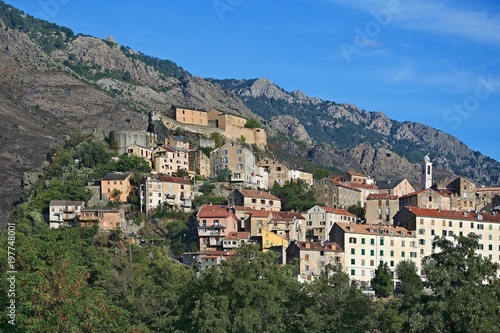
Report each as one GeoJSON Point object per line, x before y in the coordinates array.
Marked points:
{"type": "Point", "coordinates": [438, 17]}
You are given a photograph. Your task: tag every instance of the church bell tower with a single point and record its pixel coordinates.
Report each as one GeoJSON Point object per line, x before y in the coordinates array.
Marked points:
{"type": "Point", "coordinates": [426, 180]}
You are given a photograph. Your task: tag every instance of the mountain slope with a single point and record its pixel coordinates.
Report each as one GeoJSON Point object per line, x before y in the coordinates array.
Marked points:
{"type": "Point", "coordinates": [357, 134]}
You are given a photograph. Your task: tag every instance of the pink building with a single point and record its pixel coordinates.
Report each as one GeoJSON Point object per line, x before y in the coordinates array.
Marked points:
{"type": "Point", "coordinates": [215, 222]}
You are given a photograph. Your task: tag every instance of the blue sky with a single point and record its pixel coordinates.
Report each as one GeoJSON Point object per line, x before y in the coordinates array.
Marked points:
{"type": "Point", "coordinates": [434, 62]}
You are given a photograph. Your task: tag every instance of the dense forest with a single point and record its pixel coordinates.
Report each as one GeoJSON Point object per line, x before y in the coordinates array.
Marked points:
{"type": "Point", "coordinates": [82, 280]}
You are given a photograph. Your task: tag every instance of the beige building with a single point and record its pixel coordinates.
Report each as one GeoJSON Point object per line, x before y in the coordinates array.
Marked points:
{"type": "Point", "coordinates": [238, 158]}
{"type": "Point", "coordinates": [116, 187]}
{"type": "Point", "coordinates": [428, 223]}
{"type": "Point", "coordinates": [141, 151]}
{"type": "Point", "coordinates": [107, 218]}
{"type": "Point", "coordinates": [484, 196]}
{"type": "Point", "coordinates": [256, 200]}
{"type": "Point", "coordinates": [428, 198]}
{"type": "Point", "coordinates": [64, 213]}
{"type": "Point", "coordinates": [335, 194]}
{"type": "Point", "coordinates": [314, 258]}
{"type": "Point", "coordinates": [190, 116]}
{"type": "Point", "coordinates": [172, 191]}
{"type": "Point", "coordinates": [461, 193]}
{"type": "Point", "coordinates": [176, 141]}
{"type": "Point", "coordinates": [294, 175]}
{"type": "Point", "coordinates": [364, 191]}
{"type": "Point", "coordinates": [396, 187]}
{"type": "Point", "coordinates": [367, 246]}
{"type": "Point", "coordinates": [321, 219]}
{"type": "Point", "coordinates": [169, 160]}
{"type": "Point", "coordinates": [199, 163]}
{"type": "Point", "coordinates": [234, 128]}
{"type": "Point", "coordinates": [381, 208]}
{"type": "Point", "coordinates": [277, 172]}
{"type": "Point", "coordinates": [357, 177]}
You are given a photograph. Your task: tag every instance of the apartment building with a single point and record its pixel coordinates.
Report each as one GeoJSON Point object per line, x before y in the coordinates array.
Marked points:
{"type": "Point", "coordinates": [238, 158]}
{"type": "Point", "coordinates": [189, 115]}
{"type": "Point", "coordinates": [429, 223]}
{"type": "Point", "coordinates": [254, 199]}
{"type": "Point", "coordinates": [64, 212]}
{"type": "Point", "coordinates": [367, 246]}
{"type": "Point", "coordinates": [381, 208]}
{"type": "Point", "coordinates": [320, 219]}
{"type": "Point", "coordinates": [215, 223]}
{"type": "Point", "coordinates": [277, 172]}
{"type": "Point", "coordinates": [314, 258]}
{"type": "Point", "coordinates": [172, 191]}
{"type": "Point", "coordinates": [335, 194]}
{"type": "Point", "coordinates": [170, 159]}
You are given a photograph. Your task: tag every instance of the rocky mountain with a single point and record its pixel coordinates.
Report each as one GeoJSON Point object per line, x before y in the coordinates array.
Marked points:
{"type": "Point", "coordinates": [347, 137]}
{"type": "Point", "coordinates": [54, 83]}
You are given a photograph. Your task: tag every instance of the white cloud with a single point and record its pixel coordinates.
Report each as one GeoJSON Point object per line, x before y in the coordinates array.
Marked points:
{"type": "Point", "coordinates": [437, 17]}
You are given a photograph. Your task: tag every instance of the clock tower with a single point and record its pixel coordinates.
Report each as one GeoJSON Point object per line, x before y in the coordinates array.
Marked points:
{"type": "Point", "coordinates": [426, 180]}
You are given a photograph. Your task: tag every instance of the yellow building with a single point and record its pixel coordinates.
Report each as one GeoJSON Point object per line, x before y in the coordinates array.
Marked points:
{"type": "Point", "coordinates": [270, 239]}
{"type": "Point", "coordinates": [116, 187]}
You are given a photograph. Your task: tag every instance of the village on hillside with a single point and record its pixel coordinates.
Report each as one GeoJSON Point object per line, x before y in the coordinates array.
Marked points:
{"type": "Point", "coordinates": [357, 223]}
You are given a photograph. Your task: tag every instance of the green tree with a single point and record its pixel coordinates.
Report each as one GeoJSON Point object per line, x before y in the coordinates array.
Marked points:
{"type": "Point", "coordinates": [410, 282]}
{"type": "Point", "coordinates": [223, 174]}
{"type": "Point", "coordinates": [321, 173]}
{"type": "Point", "coordinates": [93, 152]}
{"type": "Point", "coordinates": [207, 188]}
{"type": "Point", "coordinates": [130, 163]}
{"type": "Point", "coordinates": [243, 139]}
{"type": "Point", "coordinates": [253, 123]}
{"type": "Point", "coordinates": [295, 195]}
{"type": "Point", "coordinates": [382, 281]}
{"type": "Point", "coordinates": [357, 210]}
{"type": "Point", "coordinates": [331, 304]}
{"type": "Point", "coordinates": [218, 138]}
{"type": "Point", "coordinates": [465, 290]}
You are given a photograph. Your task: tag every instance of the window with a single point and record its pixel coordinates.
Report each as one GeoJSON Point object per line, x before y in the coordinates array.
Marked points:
{"type": "Point", "coordinates": [362, 240]}
{"type": "Point", "coordinates": [413, 254]}
{"type": "Point", "coordinates": [372, 252]}
{"type": "Point", "coordinates": [372, 262]}
{"type": "Point", "coordinates": [362, 252]}
{"type": "Point", "coordinates": [450, 224]}
{"type": "Point", "coordinates": [381, 241]}
{"type": "Point", "coordinates": [353, 251]}
{"type": "Point", "coordinates": [490, 247]}
{"type": "Point", "coordinates": [490, 227]}
{"type": "Point", "coordinates": [480, 226]}
{"type": "Point", "coordinates": [381, 253]}
{"type": "Point", "coordinates": [372, 241]}
{"type": "Point", "coordinates": [353, 261]}
{"type": "Point", "coordinates": [432, 232]}
{"type": "Point", "coordinates": [306, 257]}
{"type": "Point", "coordinates": [450, 233]}
{"type": "Point", "coordinates": [444, 223]}
{"type": "Point", "coordinates": [402, 254]}
{"type": "Point", "coordinates": [352, 240]}
{"type": "Point", "coordinates": [460, 224]}
{"type": "Point", "coordinates": [362, 262]}
{"type": "Point", "coordinates": [353, 272]}
{"type": "Point", "coordinates": [392, 263]}
{"type": "Point", "coordinates": [444, 233]}
{"type": "Point", "coordinates": [480, 247]}
{"type": "Point", "coordinates": [421, 231]}
{"type": "Point", "coordinates": [362, 272]}
{"type": "Point", "coordinates": [432, 222]}
{"type": "Point", "coordinates": [421, 241]}
{"type": "Point", "coordinates": [307, 268]}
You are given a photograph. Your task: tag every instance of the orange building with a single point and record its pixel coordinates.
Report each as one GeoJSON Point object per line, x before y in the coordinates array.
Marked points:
{"type": "Point", "coordinates": [116, 187]}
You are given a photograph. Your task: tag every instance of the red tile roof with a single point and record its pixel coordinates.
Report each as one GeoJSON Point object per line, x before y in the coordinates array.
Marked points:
{"type": "Point", "coordinates": [260, 213]}
{"type": "Point", "coordinates": [373, 229]}
{"type": "Point", "coordinates": [361, 186]}
{"type": "Point", "coordinates": [439, 213]}
{"type": "Point", "coordinates": [285, 215]}
{"type": "Point", "coordinates": [177, 180]}
{"type": "Point", "coordinates": [258, 194]}
{"type": "Point", "coordinates": [209, 211]}
{"type": "Point", "coordinates": [480, 189]}
{"type": "Point", "coordinates": [354, 173]}
{"type": "Point", "coordinates": [381, 196]}
{"type": "Point", "coordinates": [238, 235]}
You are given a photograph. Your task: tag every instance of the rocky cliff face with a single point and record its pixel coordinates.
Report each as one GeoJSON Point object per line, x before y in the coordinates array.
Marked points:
{"type": "Point", "coordinates": [350, 138]}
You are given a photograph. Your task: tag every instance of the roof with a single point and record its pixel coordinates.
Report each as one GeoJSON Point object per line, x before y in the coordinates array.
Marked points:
{"type": "Point", "coordinates": [179, 138]}
{"type": "Point", "coordinates": [116, 176]}
{"type": "Point", "coordinates": [137, 145]}
{"type": "Point", "coordinates": [388, 183]}
{"type": "Point", "coordinates": [260, 213]}
{"type": "Point", "coordinates": [176, 180]}
{"type": "Point", "coordinates": [238, 235]}
{"type": "Point", "coordinates": [373, 229]}
{"type": "Point", "coordinates": [381, 196]}
{"type": "Point", "coordinates": [319, 246]}
{"type": "Point", "coordinates": [361, 186]}
{"type": "Point", "coordinates": [188, 108]}
{"type": "Point", "coordinates": [440, 213]}
{"type": "Point", "coordinates": [208, 211]}
{"type": "Point", "coordinates": [354, 173]}
{"type": "Point", "coordinates": [346, 186]}
{"type": "Point", "coordinates": [480, 189]}
{"type": "Point", "coordinates": [258, 194]}
{"type": "Point", "coordinates": [101, 210]}
{"type": "Point", "coordinates": [418, 192]}
{"type": "Point", "coordinates": [65, 203]}
{"type": "Point", "coordinates": [336, 211]}
{"type": "Point", "coordinates": [287, 215]}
